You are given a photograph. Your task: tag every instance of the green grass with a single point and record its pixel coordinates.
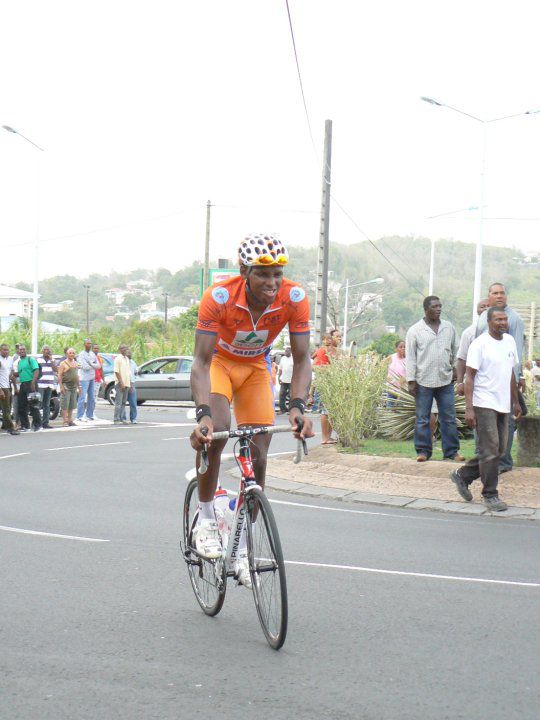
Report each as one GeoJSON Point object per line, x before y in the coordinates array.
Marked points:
{"type": "Point", "coordinates": [405, 448]}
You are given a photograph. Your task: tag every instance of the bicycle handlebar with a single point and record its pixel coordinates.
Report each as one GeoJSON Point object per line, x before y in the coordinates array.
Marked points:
{"type": "Point", "coordinates": [252, 432]}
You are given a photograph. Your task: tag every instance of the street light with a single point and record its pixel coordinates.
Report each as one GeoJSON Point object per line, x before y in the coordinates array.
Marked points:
{"type": "Point", "coordinates": [87, 288]}
{"type": "Point", "coordinates": [166, 296]}
{"type": "Point", "coordinates": [480, 241]}
{"type": "Point", "coordinates": [35, 308]}
{"type": "Point", "coordinates": [432, 257]}
{"type": "Point", "coordinates": [378, 281]}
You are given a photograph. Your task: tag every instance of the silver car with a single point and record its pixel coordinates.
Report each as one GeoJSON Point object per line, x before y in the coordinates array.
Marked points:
{"type": "Point", "coordinates": [164, 378]}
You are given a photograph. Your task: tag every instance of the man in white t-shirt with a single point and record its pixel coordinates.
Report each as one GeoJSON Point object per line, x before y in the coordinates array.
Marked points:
{"type": "Point", "coordinates": [490, 396]}
{"type": "Point", "coordinates": [285, 371]}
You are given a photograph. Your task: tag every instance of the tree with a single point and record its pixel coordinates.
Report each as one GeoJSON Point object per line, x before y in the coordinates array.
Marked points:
{"type": "Point", "coordinates": [386, 344]}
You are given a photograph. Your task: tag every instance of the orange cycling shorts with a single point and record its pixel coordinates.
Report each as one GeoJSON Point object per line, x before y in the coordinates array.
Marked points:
{"type": "Point", "coordinates": [249, 384]}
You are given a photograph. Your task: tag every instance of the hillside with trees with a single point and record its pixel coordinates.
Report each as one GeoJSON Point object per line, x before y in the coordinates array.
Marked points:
{"type": "Point", "coordinates": [396, 302]}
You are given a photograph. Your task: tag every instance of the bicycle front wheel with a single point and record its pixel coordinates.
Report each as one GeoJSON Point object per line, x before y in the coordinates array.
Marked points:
{"type": "Point", "coordinates": [208, 578]}
{"type": "Point", "coordinates": [266, 567]}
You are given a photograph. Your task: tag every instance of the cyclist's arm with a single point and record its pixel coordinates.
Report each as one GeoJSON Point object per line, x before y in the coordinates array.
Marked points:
{"type": "Point", "coordinates": [205, 343]}
{"type": "Point", "coordinates": [301, 379]}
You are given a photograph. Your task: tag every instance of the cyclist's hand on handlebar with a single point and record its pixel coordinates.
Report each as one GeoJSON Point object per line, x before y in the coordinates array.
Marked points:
{"type": "Point", "coordinates": [306, 426]}
{"type": "Point", "coordinates": [198, 438]}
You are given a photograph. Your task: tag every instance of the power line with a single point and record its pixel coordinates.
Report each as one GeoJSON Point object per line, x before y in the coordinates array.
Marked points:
{"type": "Point", "coordinates": [351, 219]}
{"type": "Point", "coordinates": [300, 76]}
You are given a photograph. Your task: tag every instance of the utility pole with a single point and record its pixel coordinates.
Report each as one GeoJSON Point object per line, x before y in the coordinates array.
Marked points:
{"type": "Point", "coordinates": [166, 296]}
{"type": "Point", "coordinates": [87, 287]}
{"type": "Point", "coordinates": [321, 292]}
{"type": "Point", "coordinates": [206, 271]}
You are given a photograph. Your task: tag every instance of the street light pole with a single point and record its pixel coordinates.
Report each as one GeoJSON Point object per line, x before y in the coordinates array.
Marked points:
{"type": "Point", "coordinates": [35, 302]}
{"type": "Point", "coordinates": [166, 296]}
{"type": "Point", "coordinates": [479, 244]}
{"type": "Point", "coordinates": [378, 280]}
{"type": "Point", "coordinates": [87, 288]}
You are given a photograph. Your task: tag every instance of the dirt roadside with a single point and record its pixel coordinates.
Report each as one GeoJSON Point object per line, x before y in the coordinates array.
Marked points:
{"type": "Point", "coordinates": [326, 467]}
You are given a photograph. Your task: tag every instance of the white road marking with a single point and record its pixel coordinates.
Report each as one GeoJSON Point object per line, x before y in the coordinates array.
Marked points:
{"type": "Point", "coordinates": [414, 574]}
{"type": "Point", "coordinates": [399, 516]}
{"type": "Point", "coordinates": [73, 447]}
{"type": "Point", "coordinates": [52, 535]}
{"type": "Point", "coordinates": [5, 457]}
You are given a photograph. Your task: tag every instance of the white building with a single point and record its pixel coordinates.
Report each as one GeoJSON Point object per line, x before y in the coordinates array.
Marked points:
{"type": "Point", "coordinates": [62, 306]}
{"type": "Point", "coordinates": [15, 302]}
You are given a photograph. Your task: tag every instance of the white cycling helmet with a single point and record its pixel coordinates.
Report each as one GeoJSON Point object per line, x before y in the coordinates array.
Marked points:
{"type": "Point", "coordinates": [262, 250]}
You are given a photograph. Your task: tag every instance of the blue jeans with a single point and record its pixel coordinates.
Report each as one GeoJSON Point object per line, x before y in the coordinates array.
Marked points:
{"type": "Point", "coordinates": [87, 393]}
{"type": "Point", "coordinates": [447, 420]}
{"type": "Point", "coordinates": [132, 400]}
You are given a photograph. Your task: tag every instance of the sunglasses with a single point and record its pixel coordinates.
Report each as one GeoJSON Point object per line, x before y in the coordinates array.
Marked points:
{"type": "Point", "coordinates": [269, 260]}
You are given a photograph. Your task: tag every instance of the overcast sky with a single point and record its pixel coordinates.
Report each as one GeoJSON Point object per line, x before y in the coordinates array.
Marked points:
{"type": "Point", "coordinates": [147, 110]}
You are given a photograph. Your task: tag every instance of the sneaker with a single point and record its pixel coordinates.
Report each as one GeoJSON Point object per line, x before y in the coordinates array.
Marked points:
{"type": "Point", "coordinates": [125, 422]}
{"type": "Point", "coordinates": [241, 571]}
{"type": "Point", "coordinates": [83, 419]}
{"type": "Point", "coordinates": [495, 504]}
{"type": "Point", "coordinates": [457, 458]}
{"type": "Point", "coordinates": [207, 539]}
{"type": "Point", "coordinates": [24, 430]}
{"type": "Point", "coordinates": [46, 427]}
{"type": "Point", "coordinates": [38, 429]}
{"type": "Point", "coordinates": [421, 458]}
{"type": "Point", "coordinates": [14, 432]}
{"type": "Point", "coordinates": [134, 422]}
{"type": "Point", "coordinates": [461, 486]}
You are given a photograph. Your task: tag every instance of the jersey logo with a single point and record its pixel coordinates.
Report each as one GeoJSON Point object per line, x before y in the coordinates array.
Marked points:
{"type": "Point", "coordinates": [297, 294]}
{"type": "Point", "coordinates": [220, 295]}
{"type": "Point", "coordinates": [250, 338]}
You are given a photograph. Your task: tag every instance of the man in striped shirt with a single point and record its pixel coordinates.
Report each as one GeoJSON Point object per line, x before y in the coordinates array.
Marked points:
{"type": "Point", "coordinates": [47, 382]}
{"type": "Point", "coordinates": [431, 348]}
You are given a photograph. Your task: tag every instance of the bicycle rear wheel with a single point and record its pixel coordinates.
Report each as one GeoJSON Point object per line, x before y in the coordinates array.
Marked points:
{"type": "Point", "coordinates": [208, 578]}
{"type": "Point", "coordinates": [266, 567]}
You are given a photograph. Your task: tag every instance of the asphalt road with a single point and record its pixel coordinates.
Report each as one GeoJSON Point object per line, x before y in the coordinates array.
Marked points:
{"type": "Point", "coordinates": [394, 614]}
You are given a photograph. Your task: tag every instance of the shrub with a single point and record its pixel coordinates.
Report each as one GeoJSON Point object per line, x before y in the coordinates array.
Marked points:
{"type": "Point", "coordinates": [397, 422]}
{"type": "Point", "coordinates": [351, 390]}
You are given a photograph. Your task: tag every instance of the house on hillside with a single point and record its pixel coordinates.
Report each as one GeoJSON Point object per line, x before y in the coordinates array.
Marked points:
{"type": "Point", "coordinates": [139, 285]}
{"type": "Point", "coordinates": [15, 302]}
{"type": "Point", "coordinates": [117, 295]}
{"type": "Point", "coordinates": [62, 306]}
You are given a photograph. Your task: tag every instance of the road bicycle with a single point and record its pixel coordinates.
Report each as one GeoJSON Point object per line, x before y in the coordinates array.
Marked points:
{"type": "Point", "coordinates": [253, 515]}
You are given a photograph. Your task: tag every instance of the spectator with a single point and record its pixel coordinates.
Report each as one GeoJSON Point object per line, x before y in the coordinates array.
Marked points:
{"type": "Point", "coordinates": [70, 386]}
{"type": "Point", "coordinates": [322, 357]}
{"type": "Point", "coordinates": [396, 370]}
{"type": "Point", "coordinates": [431, 347]}
{"type": "Point", "coordinates": [285, 371]}
{"type": "Point", "coordinates": [536, 380]}
{"type": "Point", "coordinates": [490, 395]}
{"type": "Point", "coordinates": [88, 364]}
{"type": "Point", "coordinates": [28, 373]}
{"type": "Point", "coordinates": [467, 336]}
{"type": "Point", "coordinates": [16, 384]}
{"type": "Point", "coordinates": [497, 297]}
{"type": "Point", "coordinates": [6, 377]}
{"type": "Point", "coordinates": [46, 383]}
{"type": "Point", "coordinates": [132, 392]}
{"type": "Point", "coordinates": [99, 377]}
{"type": "Point", "coordinates": [122, 374]}
{"type": "Point", "coordinates": [273, 375]}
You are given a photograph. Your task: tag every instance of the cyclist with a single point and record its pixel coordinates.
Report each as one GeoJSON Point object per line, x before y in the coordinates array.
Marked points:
{"type": "Point", "coordinates": [238, 321]}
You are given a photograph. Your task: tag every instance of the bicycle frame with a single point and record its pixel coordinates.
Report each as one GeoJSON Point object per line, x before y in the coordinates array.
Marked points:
{"type": "Point", "coordinates": [247, 480]}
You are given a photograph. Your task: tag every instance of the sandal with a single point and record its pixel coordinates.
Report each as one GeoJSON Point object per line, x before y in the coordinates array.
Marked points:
{"type": "Point", "coordinates": [329, 442]}
{"type": "Point", "coordinates": [72, 424]}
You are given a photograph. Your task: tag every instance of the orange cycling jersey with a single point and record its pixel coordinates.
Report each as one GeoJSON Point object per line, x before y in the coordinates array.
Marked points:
{"type": "Point", "coordinates": [224, 312]}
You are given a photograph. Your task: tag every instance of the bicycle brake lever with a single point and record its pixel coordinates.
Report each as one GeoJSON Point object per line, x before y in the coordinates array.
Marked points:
{"type": "Point", "coordinates": [203, 465]}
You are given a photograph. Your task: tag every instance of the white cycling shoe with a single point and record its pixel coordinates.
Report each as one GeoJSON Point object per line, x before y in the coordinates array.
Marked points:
{"type": "Point", "coordinates": [241, 569]}
{"type": "Point", "coordinates": [207, 539]}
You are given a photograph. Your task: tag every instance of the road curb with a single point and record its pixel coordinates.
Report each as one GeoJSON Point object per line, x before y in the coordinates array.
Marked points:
{"type": "Point", "coordinates": [369, 498]}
